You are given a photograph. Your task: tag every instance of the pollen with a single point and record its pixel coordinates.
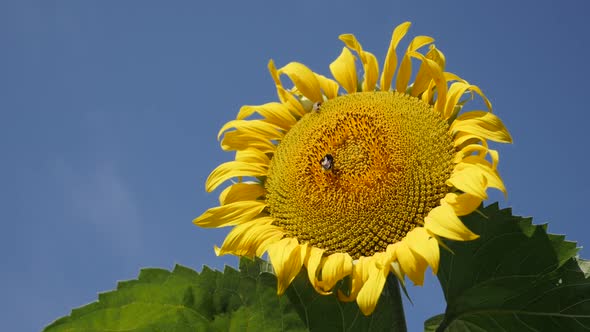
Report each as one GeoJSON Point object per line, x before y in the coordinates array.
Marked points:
{"type": "Point", "coordinates": [361, 173]}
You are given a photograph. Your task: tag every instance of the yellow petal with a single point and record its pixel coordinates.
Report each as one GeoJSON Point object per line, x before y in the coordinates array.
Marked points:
{"type": "Point", "coordinates": [425, 245]}
{"type": "Point", "coordinates": [360, 273]}
{"type": "Point", "coordinates": [469, 180]}
{"type": "Point", "coordinates": [329, 87]}
{"type": "Point", "coordinates": [274, 113]}
{"type": "Point", "coordinates": [344, 71]}
{"type": "Point", "coordinates": [292, 103]}
{"type": "Point", "coordinates": [443, 221]}
{"type": "Point", "coordinates": [463, 204]}
{"type": "Point", "coordinates": [230, 214]}
{"type": "Point", "coordinates": [391, 59]}
{"type": "Point", "coordinates": [456, 91]}
{"type": "Point", "coordinates": [312, 263]}
{"type": "Point", "coordinates": [405, 68]}
{"type": "Point", "coordinates": [493, 180]}
{"type": "Point", "coordinates": [437, 75]}
{"type": "Point", "coordinates": [483, 124]}
{"type": "Point", "coordinates": [242, 191]}
{"type": "Point", "coordinates": [274, 73]}
{"type": "Point", "coordinates": [370, 65]}
{"type": "Point", "coordinates": [371, 292]}
{"type": "Point", "coordinates": [232, 169]}
{"type": "Point", "coordinates": [422, 77]}
{"type": "Point", "coordinates": [304, 79]}
{"type": "Point", "coordinates": [285, 257]}
{"type": "Point", "coordinates": [240, 140]}
{"type": "Point", "coordinates": [254, 128]}
{"type": "Point", "coordinates": [252, 156]}
{"type": "Point", "coordinates": [412, 264]}
{"type": "Point", "coordinates": [245, 239]}
{"type": "Point", "coordinates": [335, 267]}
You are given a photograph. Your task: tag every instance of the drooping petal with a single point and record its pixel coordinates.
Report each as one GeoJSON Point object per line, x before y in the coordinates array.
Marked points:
{"type": "Point", "coordinates": [443, 221]}
{"type": "Point", "coordinates": [242, 191]}
{"type": "Point", "coordinates": [463, 204]}
{"type": "Point", "coordinates": [360, 273]}
{"type": "Point", "coordinates": [425, 245]}
{"type": "Point", "coordinates": [312, 263]}
{"type": "Point", "coordinates": [483, 124]}
{"type": "Point", "coordinates": [232, 169]}
{"type": "Point", "coordinates": [285, 256]}
{"type": "Point", "coordinates": [335, 267]}
{"type": "Point", "coordinates": [412, 264]}
{"type": "Point", "coordinates": [488, 170]}
{"type": "Point", "coordinates": [230, 214]}
{"type": "Point", "coordinates": [469, 180]}
{"type": "Point", "coordinates": [304, 79]}
{"type": "Point", "coordinates": [344, 71]}
{"type": "Point", "coordinates": [371, 291]}
{"type": "Point", "coordinates": [391, 59]}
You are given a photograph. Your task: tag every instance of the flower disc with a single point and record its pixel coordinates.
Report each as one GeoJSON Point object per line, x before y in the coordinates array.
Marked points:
{"type": "Point", "coordinates": [360, 172]}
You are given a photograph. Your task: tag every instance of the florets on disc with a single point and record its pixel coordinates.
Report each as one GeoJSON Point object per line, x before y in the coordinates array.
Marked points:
{"type": "Point", "coordinates": [390, 157]}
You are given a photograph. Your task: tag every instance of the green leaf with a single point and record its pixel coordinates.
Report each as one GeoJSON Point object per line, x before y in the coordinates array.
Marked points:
{"type": "Point", "coordinates": [515, 277]}
{"type": "Point", "coordinates": [327, 313]}
{"type": "Point", "coordinates": [184, 300]}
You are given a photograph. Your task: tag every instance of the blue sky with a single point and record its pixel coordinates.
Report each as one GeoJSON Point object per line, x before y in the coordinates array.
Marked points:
{"type": "Point", "coordinates": [110, 111]}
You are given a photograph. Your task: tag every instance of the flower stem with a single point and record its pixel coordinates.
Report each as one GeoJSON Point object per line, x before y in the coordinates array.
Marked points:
{"type": "Point", "coordinates": [399, 319]}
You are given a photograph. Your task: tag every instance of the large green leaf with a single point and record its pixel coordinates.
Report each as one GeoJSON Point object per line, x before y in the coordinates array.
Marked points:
{"type": "Point", "coordinates": [515, 277]}
{"type": "Point", "coordinates": [184, 300]}
{"type": "Point", "coordinates": [327, 313]}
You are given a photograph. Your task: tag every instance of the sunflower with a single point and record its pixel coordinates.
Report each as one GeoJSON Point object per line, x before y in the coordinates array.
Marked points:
{"type": "Point", "coordinates": [355, 179]}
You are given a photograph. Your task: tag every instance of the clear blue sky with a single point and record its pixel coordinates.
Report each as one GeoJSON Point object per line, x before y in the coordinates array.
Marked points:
{"type": "Point", "coordinates": [110, 109]}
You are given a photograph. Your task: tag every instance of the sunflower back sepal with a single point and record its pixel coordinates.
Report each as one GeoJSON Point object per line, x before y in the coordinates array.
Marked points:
{"type": "Point", "coordinates": [516, 276]}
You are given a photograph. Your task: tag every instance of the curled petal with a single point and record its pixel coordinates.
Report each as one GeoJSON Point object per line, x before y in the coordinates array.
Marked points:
{"type": "Point", "coordinates": [436, 73]}
{"type": "Point", "coordinates": [370, 65]}
{"type": "Point", "coordinates": [405, 68]}
{"type": "Point", "coordinates": [329, 87]}
{"type": "Point", "coordinates": [312, 264]}
{"type": "Point", "coordinates": [304, 79]}
{"type": "Point", "coordinates": [344, 71]}
{"type": "Point", "coordinates": [443, 221]}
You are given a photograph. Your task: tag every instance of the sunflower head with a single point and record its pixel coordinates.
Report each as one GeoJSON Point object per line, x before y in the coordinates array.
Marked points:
{"type": "Point", "coordinates": [357, 179]}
